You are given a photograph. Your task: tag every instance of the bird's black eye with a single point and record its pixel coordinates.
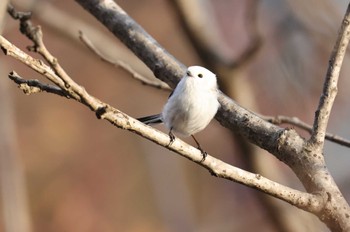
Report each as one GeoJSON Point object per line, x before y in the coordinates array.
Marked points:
{"type": "Point", "coordinates": [200, 75]}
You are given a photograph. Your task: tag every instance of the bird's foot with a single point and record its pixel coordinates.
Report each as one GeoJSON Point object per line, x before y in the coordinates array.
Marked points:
{"type": "Point", "coordinates": [172, 138]}
{"type": "Point", "coordinates": [204, 154]}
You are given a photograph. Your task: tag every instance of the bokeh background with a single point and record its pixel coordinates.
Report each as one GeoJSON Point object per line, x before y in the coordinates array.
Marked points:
{"type": "Point", "coordinates": [62, 169]}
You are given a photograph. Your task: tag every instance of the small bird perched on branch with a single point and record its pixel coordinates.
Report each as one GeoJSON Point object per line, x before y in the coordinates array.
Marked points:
{"type": "Point", "coordinates": [191, 105]}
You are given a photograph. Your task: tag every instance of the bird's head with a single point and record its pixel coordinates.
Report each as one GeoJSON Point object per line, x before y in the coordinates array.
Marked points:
{"type": "Point", "coordinates": [202, 76]}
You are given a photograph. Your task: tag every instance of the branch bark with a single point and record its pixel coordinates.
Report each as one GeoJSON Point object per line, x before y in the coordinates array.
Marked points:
{"type": "Point", "coordinates": [294, 121]}
{"type": "Point", "coordinates": [330, 88]}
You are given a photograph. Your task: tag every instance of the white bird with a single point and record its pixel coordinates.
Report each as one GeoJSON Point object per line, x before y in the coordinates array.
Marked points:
{"type": "Point", "coordinates": [191, 105]}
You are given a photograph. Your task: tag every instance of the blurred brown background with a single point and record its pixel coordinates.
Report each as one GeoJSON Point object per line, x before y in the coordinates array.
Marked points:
{"type": "Point", "coordinates": [73, 172]}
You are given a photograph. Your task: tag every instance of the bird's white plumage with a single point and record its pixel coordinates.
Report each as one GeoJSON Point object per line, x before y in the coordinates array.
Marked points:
{"type": "Point", "coordinates": [193, 103]}
{"type": "Point", "coordinates": [191, 106]}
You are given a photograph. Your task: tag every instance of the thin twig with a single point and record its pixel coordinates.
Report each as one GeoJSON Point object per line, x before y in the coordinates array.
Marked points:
{"type": "Point", "coordinates": [59, 77]}
{"type": "Point", "coordinates": [35, 86]}
{"type": "Point", "coordinates": [121, 64]}
{"type": "Point", "coordinates": [280, 119]}
{"type": "Point", "coordinates": [34, 33]}
{"type": "Point", "coordinates": [67, 24]}
{"type": "Point", "coordinates": [330, 88]}
{"type": "Point", "coordinates": [36, 64]}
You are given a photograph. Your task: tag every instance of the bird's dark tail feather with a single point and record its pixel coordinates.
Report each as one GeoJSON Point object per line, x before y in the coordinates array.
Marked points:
{"type": "Point", "coordinates": [153, 119]}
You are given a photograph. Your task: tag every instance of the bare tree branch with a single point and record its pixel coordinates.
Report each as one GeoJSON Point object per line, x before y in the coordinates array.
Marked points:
{"type": "Point", "coordinates": [36, 64]}
{"type": "Point", "coordinates": [330, 88]}
{"type": "Point", "coordinates": [281, 119]}
{"type": "Point", "coordinates": [215, 166]}
{"type": "Point", "coordinates": [35, 86]}
{"type": "Point", "coordinates": [121, 120]}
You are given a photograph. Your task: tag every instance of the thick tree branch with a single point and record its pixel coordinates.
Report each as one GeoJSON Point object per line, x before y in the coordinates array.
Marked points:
{"type": "Point", "coordinates": [330, 88]}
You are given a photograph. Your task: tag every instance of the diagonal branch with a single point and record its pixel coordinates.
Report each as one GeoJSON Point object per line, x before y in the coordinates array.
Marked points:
{"type": "Point", "coordinates": [215, 166]}
{"type": "Point", "coordinates": [36, 64]}
{"type": "Point", "coordinates": [330, 85]}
